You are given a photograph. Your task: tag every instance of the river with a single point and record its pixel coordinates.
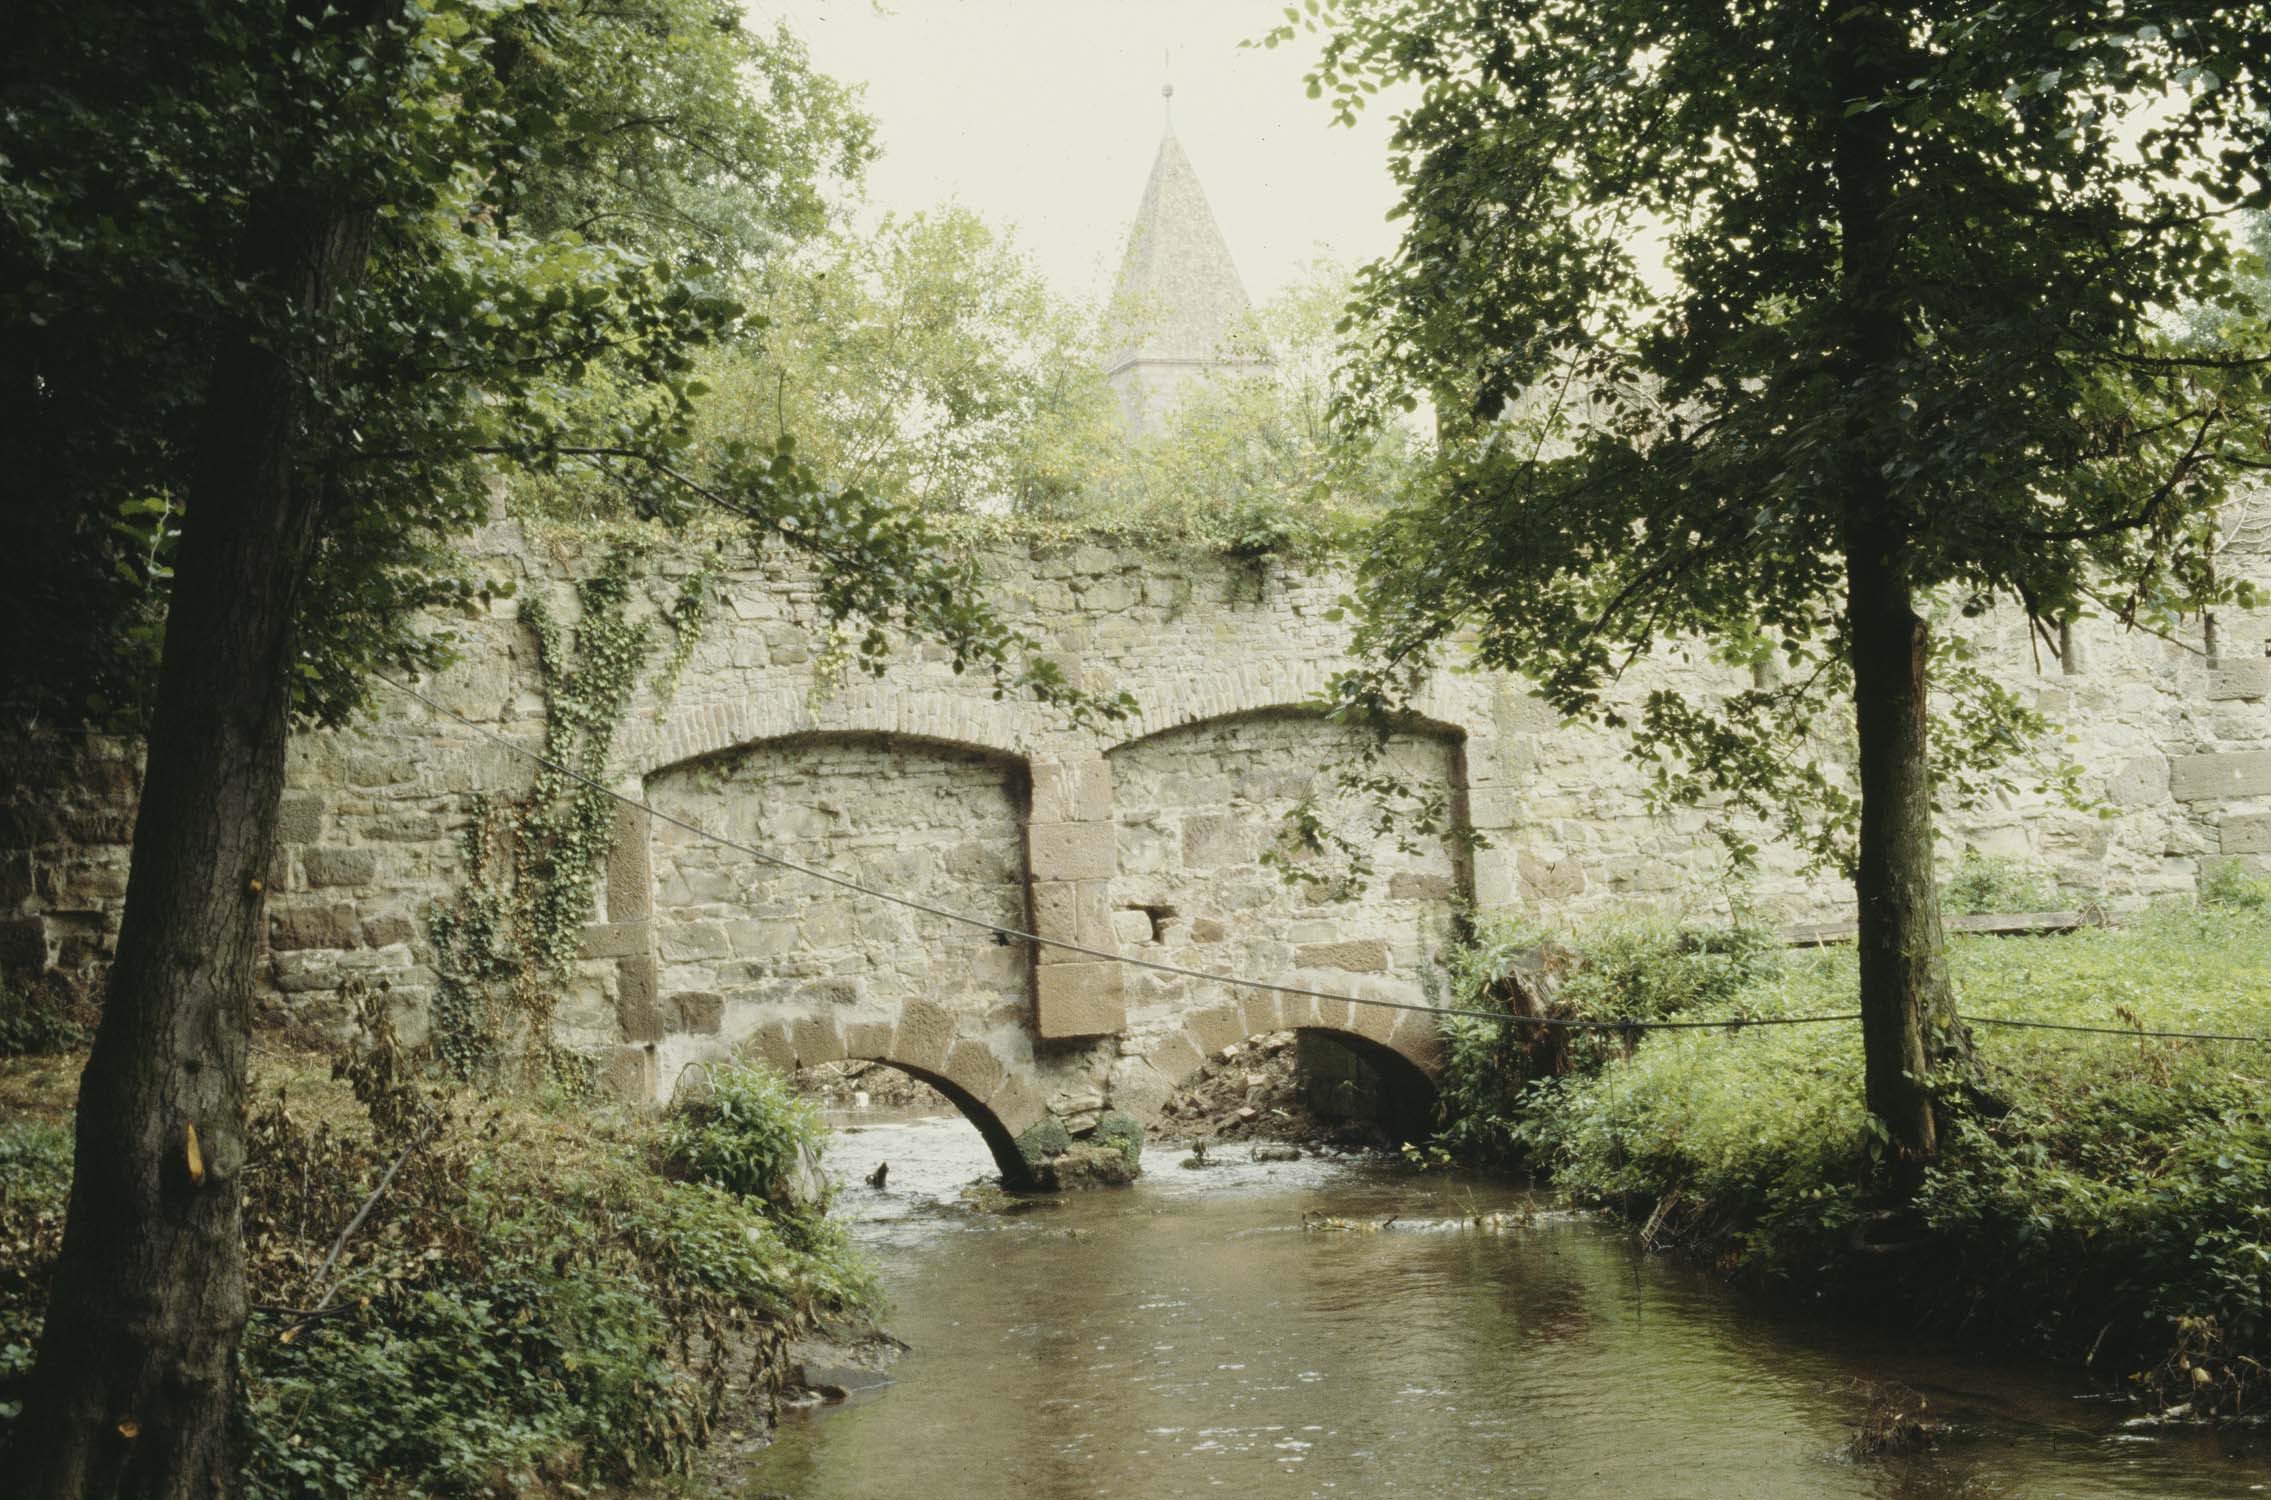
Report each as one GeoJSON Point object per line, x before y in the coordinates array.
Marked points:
{"type": "Point", "coordinates": [1190, 1336]}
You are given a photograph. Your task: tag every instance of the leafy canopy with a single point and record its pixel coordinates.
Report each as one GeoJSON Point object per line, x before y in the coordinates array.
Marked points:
{"type": "Point", "coordinates": [559, 196]}
{"type": "Point", "coordinates": [1624, 288]}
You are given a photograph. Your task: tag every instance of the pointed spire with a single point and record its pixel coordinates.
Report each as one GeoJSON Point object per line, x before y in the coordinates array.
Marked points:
{"type": "Point", "coordinates": [1178, 292]}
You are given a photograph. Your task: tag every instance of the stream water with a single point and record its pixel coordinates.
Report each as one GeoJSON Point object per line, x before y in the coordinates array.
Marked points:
{"type": "Point", "coordinates": [1189, 1336]}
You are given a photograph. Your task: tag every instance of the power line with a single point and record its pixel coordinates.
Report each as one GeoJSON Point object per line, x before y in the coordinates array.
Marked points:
{"type": "Point", "coordinates": [1016, 934]}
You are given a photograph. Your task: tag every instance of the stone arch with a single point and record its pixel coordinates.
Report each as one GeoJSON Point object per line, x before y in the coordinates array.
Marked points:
{"type": "Point", "coordinates": [1291, 689]}
{"type": "Point", "coordinates": [868, 708]}
{"type": "Point", "coordinates": [923, 1040]}
{"type": "Point", "coordinates": [1398, 1042]}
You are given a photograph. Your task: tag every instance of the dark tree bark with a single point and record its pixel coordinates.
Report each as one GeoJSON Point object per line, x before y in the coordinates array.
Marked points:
{"type": "Point", "coordinates": [136, 1377]}
{"type": "Point", "coordinates": [1908, 1019]}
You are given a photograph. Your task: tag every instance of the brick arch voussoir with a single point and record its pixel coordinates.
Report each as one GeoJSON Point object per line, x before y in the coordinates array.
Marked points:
{"type": "Point", "coordinates": [1412, 1036]}
{"type": "Point", "coordinates": [922, 1041]}
{"type": "Point", "coordinates": [1248, 691]}
{"type": "Point", "coordinates": [880, 709]}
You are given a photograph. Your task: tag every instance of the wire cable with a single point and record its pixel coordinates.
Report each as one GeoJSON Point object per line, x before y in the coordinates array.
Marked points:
{"type": "Point", "coordinates": [1016, 934]}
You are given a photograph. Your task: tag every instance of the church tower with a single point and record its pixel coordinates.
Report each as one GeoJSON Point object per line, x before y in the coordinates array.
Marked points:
{"type": "Point", "coordinates": [1179, 303]}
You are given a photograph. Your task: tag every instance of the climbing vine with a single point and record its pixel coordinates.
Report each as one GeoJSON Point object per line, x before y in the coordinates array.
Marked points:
{"type": "Point", "coordinates": [507, 939]}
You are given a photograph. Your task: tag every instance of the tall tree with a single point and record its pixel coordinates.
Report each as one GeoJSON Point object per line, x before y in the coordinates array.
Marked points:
{"type": "Point", "coordinates": [1776, 326]}
{"type": "Point", "coordinates": [286, 275]}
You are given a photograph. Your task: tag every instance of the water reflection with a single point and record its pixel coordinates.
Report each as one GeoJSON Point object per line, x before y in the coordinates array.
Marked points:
{"type": "Point", "coordinates": [1186, 1337]}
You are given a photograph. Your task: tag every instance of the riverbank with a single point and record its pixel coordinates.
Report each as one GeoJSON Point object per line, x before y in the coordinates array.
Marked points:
{"type": "Point", "coordinates": [548, 1293]}
{"type": "Point", "coordinates": [2105, 1200]}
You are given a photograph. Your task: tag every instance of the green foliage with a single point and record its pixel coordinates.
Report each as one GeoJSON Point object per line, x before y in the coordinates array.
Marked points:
{"type": "Point", "coordinates": [926, 360]}
{"type": "Point", "coordinates": [1621, 970]}
{"type": "Point", "coordinates": [1122, 1132]}
{"type": "Point", "coordinates": [1047, 1139]}
{"type": "Point", "coordinates": [1697, 306]}
{"type": "Point", "coordinates": [2226, 884]}
{"type": "Point", "coordinates": [529, 1306]}
{"type": "Point", "coordinates": [546, 189]}
{"type": "Point", "coordinates": [35, 1181]}
{"type": "Point", "coordinates": [2120, 1199]}
{"type": "Point", "coordinates": [1986, 883]}
{"type": "Point", "coordinates": [506, 940]}
{"type": "Point", "coordinates": [36, 1018]}
{"type": "Point", "coordinates": [746, 1132]}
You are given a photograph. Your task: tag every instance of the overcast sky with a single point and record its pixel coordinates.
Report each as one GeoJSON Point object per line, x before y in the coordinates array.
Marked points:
{"type": "Point", "coordinates": [1044, 115]}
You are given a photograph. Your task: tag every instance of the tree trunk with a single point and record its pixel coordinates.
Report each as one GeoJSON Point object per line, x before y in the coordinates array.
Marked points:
{"type": "Point", "coordinates": [136, 1378]}
{"type": "Point", "coordinates": [1908, 1016]}
{"type": "Point", "coordinates": [1908, 1020]}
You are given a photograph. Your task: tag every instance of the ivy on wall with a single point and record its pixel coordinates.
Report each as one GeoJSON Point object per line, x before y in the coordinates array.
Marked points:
{"type": "Point", "coordinates": [506, 941]}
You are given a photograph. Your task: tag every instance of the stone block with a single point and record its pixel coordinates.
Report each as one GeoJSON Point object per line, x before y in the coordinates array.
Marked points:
{"type": "Point", "coordinates": [630, 878]}
{"type": "Point", "coordinates": [1075, 790]}
{"type": "Point", "coordinates": [699, 1011]}
{"type": "Point", "coordinates": [1212, 840]}
{"type": "Point", "coordinates": [1207, 930]}
{"type": "Point", "coordinates": [1216, 1027]}
{"type": "Point", "coordinates": [1176, 1057]}
{"type": "Point", "coordinates": [925, 1035]}
{"type": "Point", "coordinates": [1335, 1015]}
{"type": "Point", "coordinates": [692, 942]}
{"type": "Point", "coordinates": [1550, 880]}
{"type": "Point", "coordinates": [1375, 1022]}
{"type": "Point", "coordinates": [631, 1073]}
{"type": "Point", "coordinates": [868, 1041]}
{"type": "Point", "coordinates": [1409, 885]}
{"type": "Point", "coordinates": [1073, 911]}
{"type": "Point", "coordinates": [385, 929]}
{"type": "Point", "coordinates": [2225, 774]}
{"type": "Point", "coordinates": [817, 1039]}
{"type": "Point", "coordinates": [972, 1067]}
{"type": "Point", "coordinates": [2240, 677]}
{"type": "Point", "coordinates": [1071, 851]}
{"type": "Point", "coordinates": [336, 866]}
{"type": "Point", "coordinates": [1018, 1104]}
{"type": "Point", "coordinates": [1258, 1012]}
{"type": "Point", "coordinates": [1079, 999]}
{"type": "Point", "coordinates": [329, 926]}
{"type": "Point", "coordinates": [299, 818]}
{"type": "Point", "coordinates": [770, 1045]}
{"type": "Point", "coordinates": [2139, 783]}
{"type": "Point", "coordinates": [2246, 833]}
{"type": "Point", "coordinates": [1296, 1012]}
{"type": "Point", "coordinates": [1355, 955]}
{"type": "Point", "coordinates": [615, 939]}
{"type": "Point", "coordinates": [637, 1007]}
{"type": "Point", "coordinates": [1420, 1039]}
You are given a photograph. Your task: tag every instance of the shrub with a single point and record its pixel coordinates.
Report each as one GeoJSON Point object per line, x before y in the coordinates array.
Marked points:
{"type": "Point", "coordinates": [35, 1182]}
{"type": "Point", "coordinates": [2226, 884]}
{"type": "Point", "coordinates": [37, 1018]}
{"type": "Point", "coordinates": [747, 1133]}
{"type": "Point", "coordinates": [1638, 970]}
{"type": "Point", "coordinates": [1985, 883]}
{"type": "Point", "coordinates": [2120, 1201]}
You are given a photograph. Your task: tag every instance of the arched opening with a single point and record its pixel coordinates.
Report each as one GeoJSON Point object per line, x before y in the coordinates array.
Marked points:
{"type": "Point", "coordinates": [933, 1091]}
{"type": "Point", "coordinates": [1343, 1076]}
{"type": "Point", "coordinates": [1381, 1087]}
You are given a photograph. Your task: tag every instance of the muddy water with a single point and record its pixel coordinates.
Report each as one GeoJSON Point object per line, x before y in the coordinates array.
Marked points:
{"type": "Point", "coordinates": [1189, 1337]}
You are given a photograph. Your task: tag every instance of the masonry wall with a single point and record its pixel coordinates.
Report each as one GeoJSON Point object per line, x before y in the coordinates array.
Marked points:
{"type": "Point", "coordinates": [1144, 839]}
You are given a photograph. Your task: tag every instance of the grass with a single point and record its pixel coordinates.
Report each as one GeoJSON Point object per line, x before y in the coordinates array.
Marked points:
{"type": "Point", "coordinates": [2102, 1197]}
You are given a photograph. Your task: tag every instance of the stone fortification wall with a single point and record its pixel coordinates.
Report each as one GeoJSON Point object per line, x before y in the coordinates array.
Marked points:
{"type": "Point", "coordinates": [1146, 839]}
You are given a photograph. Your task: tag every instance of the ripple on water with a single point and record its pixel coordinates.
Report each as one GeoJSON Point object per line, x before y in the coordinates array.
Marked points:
{"type": "Point", "coordinates": [1185, 1337]}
